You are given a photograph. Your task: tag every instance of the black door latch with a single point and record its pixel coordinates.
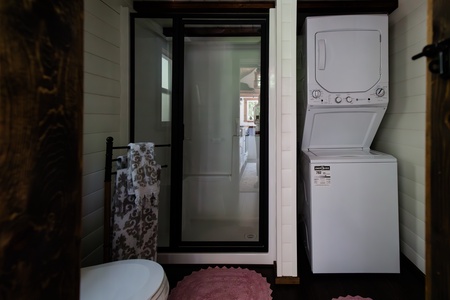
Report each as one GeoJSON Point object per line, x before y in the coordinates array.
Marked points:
{"type": "Point", "coordinates": [440, 52]}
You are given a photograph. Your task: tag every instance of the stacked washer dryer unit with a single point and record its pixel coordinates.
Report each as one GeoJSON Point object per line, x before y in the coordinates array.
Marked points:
{"type": "Point", "coordinates": [350, 205]}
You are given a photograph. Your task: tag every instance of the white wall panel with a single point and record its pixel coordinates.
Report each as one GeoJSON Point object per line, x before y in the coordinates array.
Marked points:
{"type": "Point", "coordinates": [93, 258]}
{"type": "Point", "coordinates": [406, 8]}
{"type": "Point", "coordinates": [415, 17]}
{"type": "Point", "coordinates": [101, 48]}
{"type": "Point", "coordinates": [101, 29]}
{"type": "Point", "coordinates": [408, 121]}
{"type": "Point", "coordinates": [410, 87]}
{"type": "Point", "coordinates": [101, 104]}
{"type": "Point", "coordinates": [101, 115]}
{"type": "Point", "coordinates": [413, 172]}
{"type": "Point", "coordinates": [401, 68]}
{"type": "Point", "coordinates": [407, 104]}
{"type": "Point", "coordinates": [102, 67]}
{"type": "Point", "coordinates": [402, 132]}
{"type": "Point", "coordinates": [92, 183]}
{"type": "Point", "coordinates": [93, 162]}
{"type": "Point", "coordinates": [92, 202]}
{"type": "Point", "coordinates": [286, 139]}
{"type": "Point", "coordinates": [415, 214]}
{"type": "Point", "coordinates": [402, 136]}
{"type": "Point", "coordinates": [403, 153]}
{"type": "Point", "coordinates": [92, 222]}
{"type": "Point", "coordinates": [104, 11]}
{"type": "Point", "coordinates": [95, 142]}
{"type": "Point", "coordinates": [90, 242]}
{"type": "Point", "coordinates": [412, 254]}
{"type": "Point", "coordinates": [101, 123]}
{"type": "Point", "coordinates": [94, 84]}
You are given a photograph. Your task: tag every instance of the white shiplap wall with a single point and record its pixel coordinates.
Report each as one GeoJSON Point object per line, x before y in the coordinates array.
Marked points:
{"type": "Point", "coordinates": [102, 110]}
{"type": "Point", "coordinates": [402, 132]}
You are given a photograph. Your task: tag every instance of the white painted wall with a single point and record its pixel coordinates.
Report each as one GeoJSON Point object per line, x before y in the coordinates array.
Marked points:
{"type": "Point", "coordinates": [402, 132]}
{"type": "Point", "coordinates": [102, 110]}
{"type": "Point", "coordinates": [286, 138]}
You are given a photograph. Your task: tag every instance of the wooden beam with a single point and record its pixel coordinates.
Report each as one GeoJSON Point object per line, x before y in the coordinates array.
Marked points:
{"type": "Point", "coordinates": [438, 162]}
{"type": "Point", "coordinates": [347, 6]}
{"type": "Point", "coordinates": [155, 7]}
{"type": "Point", "coordinates": [287, 280]}
{"type": "Point", "coordinates": [41, 120]}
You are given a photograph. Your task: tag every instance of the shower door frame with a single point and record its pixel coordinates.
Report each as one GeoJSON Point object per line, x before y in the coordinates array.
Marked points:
{"type": "Point", "coordinates": [176, 196]}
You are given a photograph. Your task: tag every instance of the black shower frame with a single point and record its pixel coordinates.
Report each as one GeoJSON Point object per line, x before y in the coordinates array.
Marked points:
{"type": "Point", "coordinates": [179, 19]}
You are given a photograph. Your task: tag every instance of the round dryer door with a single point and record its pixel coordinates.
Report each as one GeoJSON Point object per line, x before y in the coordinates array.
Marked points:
{"type": "Point", "coordinates": [348, 61]}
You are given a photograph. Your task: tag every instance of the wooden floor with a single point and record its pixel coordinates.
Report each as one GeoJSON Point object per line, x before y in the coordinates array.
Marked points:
{"type": "Point", "coordinates": [408, 285]}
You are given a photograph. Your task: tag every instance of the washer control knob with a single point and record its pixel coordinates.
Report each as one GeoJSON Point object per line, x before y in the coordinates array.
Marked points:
{"type": "Point", "coordinates": [380, 92]}
{"type": "Point", "coordinates": [316, 93]}
{"type": "Point", "coordinates": [349, 99]}
{"type": "Point", "coordinates": [338, 99]}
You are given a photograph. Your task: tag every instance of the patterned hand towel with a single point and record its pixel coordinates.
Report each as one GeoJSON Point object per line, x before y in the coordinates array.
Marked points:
{"type": "Point", "coordinates": [145, 173]}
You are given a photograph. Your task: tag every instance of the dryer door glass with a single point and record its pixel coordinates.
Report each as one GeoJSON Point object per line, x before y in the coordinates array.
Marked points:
{"type": "Point", "coordinates": [348, 61]}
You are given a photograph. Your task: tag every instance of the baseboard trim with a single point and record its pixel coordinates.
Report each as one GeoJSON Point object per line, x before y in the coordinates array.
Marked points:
{"type": "Point", "coordinates": [284, 279]}
{"type": "Point", "coordinates": [287, 280]}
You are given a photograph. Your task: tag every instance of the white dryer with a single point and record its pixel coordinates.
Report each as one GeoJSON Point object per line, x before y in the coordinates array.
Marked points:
{"type": "Point", "coordinates": [350, 201]}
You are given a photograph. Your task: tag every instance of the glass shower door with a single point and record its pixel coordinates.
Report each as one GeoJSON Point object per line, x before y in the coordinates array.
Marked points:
{"type": "Point", "coordinates": [220, 189]}
{"type": "Point", "coordinates": [152, 105]}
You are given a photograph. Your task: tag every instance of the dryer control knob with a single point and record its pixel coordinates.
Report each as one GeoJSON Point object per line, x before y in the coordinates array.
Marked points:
{"type": "Point", "coordinates": [316, 93]}
{"type": "Point", "coordinates": [338, 99]}
{"type": "Point", "coordinates": [349, 99]}
{"type": "Point", "coordinates": [380, 92]}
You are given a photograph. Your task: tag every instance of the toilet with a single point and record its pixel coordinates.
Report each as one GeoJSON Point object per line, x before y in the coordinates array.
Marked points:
{"type": "Point", "coordinates": [133, 279]}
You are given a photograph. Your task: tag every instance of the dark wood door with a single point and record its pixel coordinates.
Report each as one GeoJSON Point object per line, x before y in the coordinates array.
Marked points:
{"type": "Point", "coordinates": [438, 164]}
{"type": "Point", "coordinates": [41, 108]}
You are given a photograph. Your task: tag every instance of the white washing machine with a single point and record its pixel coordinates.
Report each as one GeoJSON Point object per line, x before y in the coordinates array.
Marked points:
{"type": "Point", "coordinates": [350, 201]}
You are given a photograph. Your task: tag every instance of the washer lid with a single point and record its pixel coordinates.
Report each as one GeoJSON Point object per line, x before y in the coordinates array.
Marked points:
{"type": "Point", "coordinates": [343, 152]}
{"type": "Point", "coordinates": [348, 61]}
{"type": "Point", "coordinates": [329, 156]}
{"type": "Point", "coordinates": [344, 127]}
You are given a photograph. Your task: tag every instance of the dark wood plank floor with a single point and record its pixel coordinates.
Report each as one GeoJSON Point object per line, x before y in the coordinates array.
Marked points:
{"type": "Point", "coordinates": [408, 285]}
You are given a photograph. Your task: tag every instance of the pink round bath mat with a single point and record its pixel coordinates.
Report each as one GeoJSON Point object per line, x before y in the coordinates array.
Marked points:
{"type": "Point", "coordinates": [222, 283]}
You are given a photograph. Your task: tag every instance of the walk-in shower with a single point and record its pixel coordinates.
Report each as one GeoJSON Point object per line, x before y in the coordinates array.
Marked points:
{"type": "Point", "coordinates": [200, 85]}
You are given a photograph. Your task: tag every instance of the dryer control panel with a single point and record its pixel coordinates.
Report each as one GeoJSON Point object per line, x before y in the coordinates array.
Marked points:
{"type": "Point", "coordinates": [377, 95]}
{"type": "Point", "coordinates": [346, 61]}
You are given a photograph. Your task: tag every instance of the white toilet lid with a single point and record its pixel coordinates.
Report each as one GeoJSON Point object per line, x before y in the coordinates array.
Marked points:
{"type": "Point", "coordinates": [136, 279]}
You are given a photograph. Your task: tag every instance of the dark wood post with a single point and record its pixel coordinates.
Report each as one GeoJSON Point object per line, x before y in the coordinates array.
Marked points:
{"type": "Point", "coordinates": [438, 163]}
{"type": "Point", "coordinates": [41, 97]}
